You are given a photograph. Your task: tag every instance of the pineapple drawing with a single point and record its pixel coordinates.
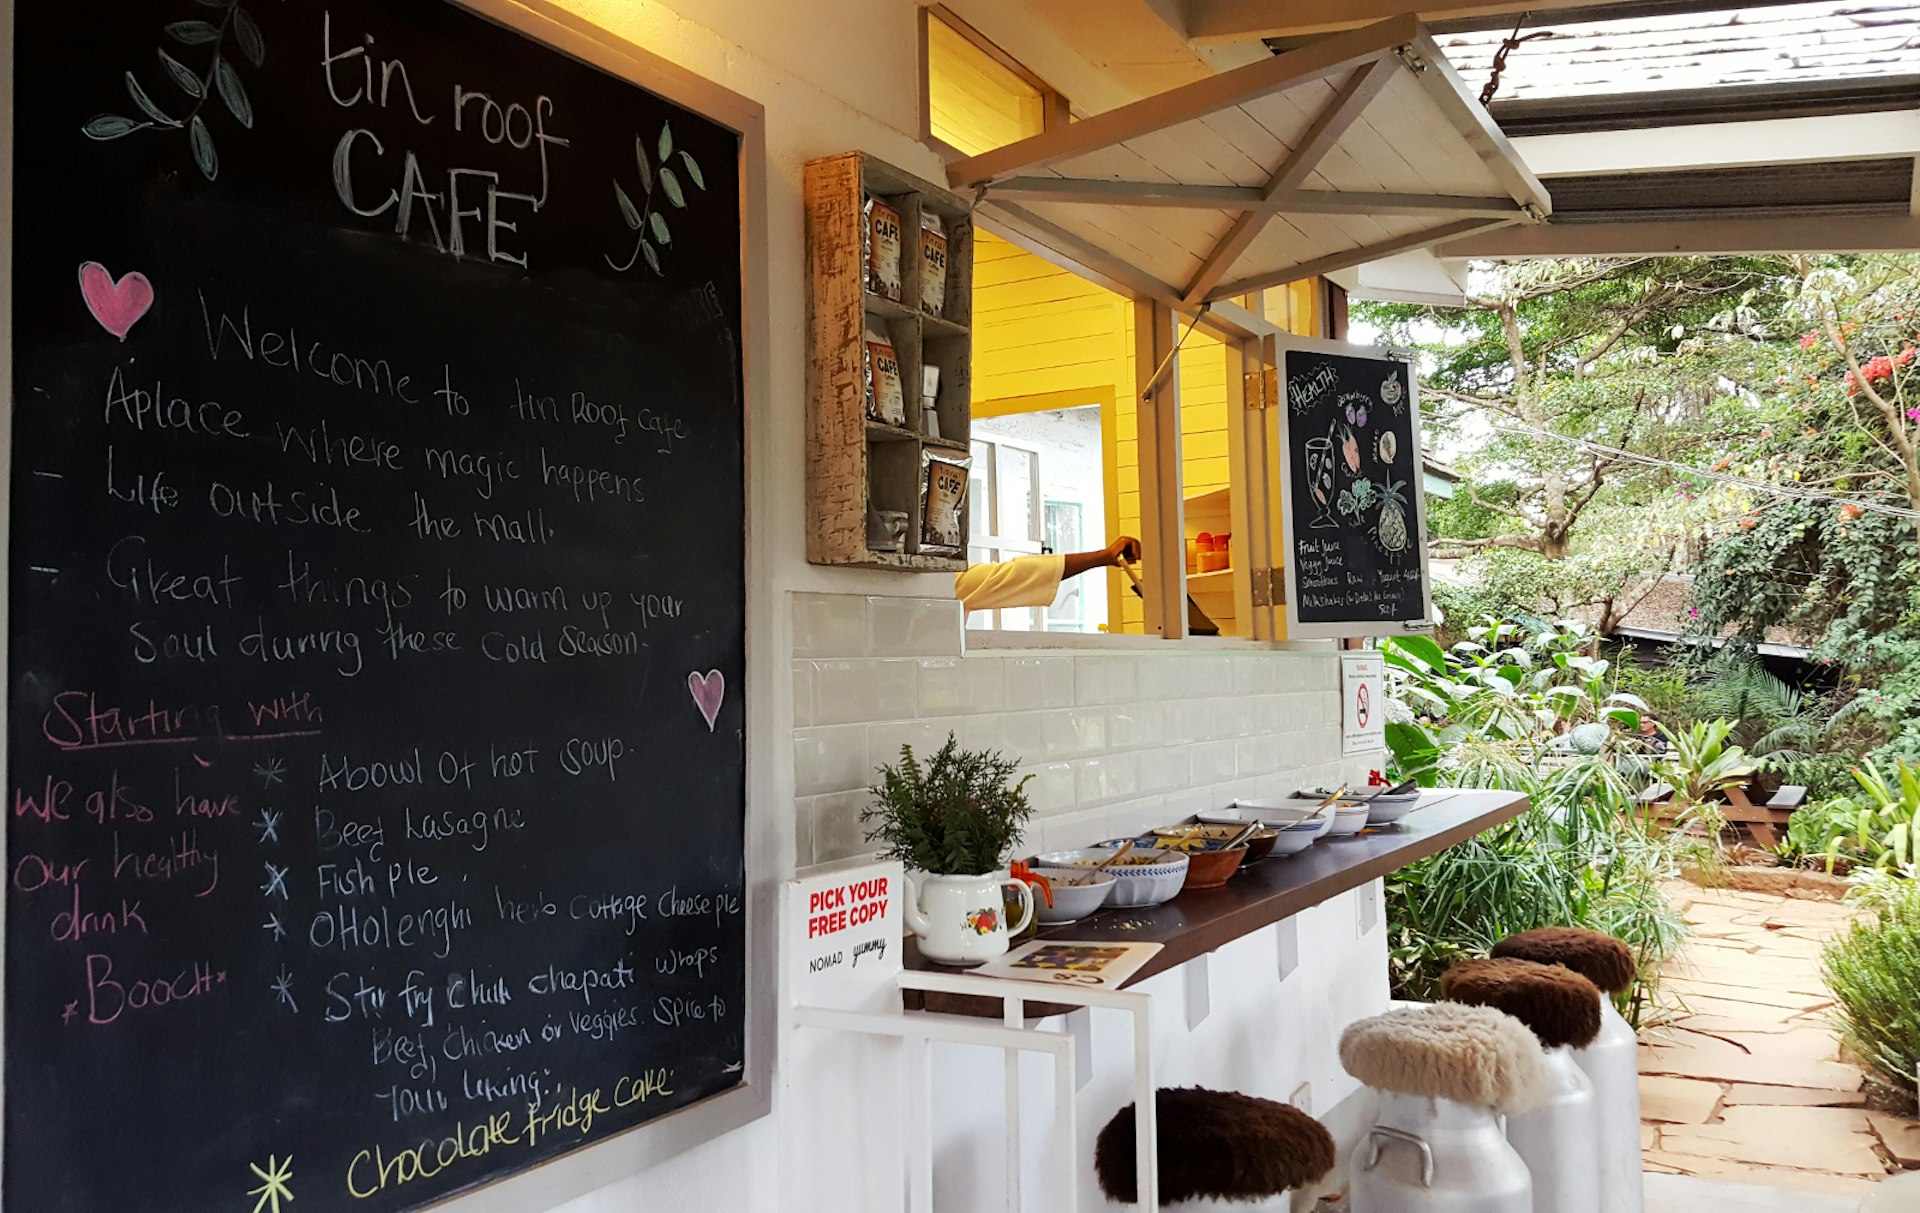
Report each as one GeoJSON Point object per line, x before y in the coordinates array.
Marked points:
{"type": "Point", "coordinates": [1393, 518]}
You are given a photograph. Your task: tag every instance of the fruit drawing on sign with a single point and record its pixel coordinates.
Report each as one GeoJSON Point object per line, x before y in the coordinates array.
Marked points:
{"type": "Point", "coordinates": [1391, 391]}
{"type": "Point", "coordinates": [983, 922]}
{"type": "Point", "coordinates": [1362, 705]}
{"type": "Point", "coordinates": [1389, 446]}
{"type": "Point", "coordinates": [708, 691]}
{"type": "Point", "coordinates": [234, 31]}
{"type": "Point", "coordinates": [1349, 447]}
{"type": "Point", "coordinates": [118, 306]}
{"type": "Point", "coordinates": [1355, 405]}
{"type": "Point", "coordinates": [1393, 519]}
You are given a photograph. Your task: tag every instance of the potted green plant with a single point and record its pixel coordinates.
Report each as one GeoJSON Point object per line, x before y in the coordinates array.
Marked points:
{"type": "Point", "coordinates": [952, 821]}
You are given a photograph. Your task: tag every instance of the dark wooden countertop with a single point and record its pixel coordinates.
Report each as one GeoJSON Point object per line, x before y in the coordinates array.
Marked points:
{"type": "Point", "coordinates": [1200, 920]}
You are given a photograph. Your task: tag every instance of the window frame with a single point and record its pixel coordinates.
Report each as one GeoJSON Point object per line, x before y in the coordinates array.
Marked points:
{"type": "Point", "coordinates": [1055, 110]}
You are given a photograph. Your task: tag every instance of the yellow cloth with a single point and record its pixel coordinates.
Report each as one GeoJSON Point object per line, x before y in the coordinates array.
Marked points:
{"type": "Point", "coordinates": [1024, 581]}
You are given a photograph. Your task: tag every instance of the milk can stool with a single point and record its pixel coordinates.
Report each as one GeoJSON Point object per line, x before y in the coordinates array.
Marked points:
{"type": "Point", "coordinates": [1558, 1138]}
{"type": "Point", "coordinates": [1445, 1074]}
{"type": "Point", "coordinates": [1217, 1146]}
{"type": "Point", "coordinates": [1612, 1061]}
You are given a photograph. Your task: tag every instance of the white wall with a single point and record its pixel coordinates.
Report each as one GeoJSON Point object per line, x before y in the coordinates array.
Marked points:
{"type": "Point", "coordinates": [1120, 741]}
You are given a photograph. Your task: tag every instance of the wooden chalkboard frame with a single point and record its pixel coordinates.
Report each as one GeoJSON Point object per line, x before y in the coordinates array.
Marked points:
{"type": "Point", "coordinates": [570, 1176]}
{"type": "Point", "coordinates": [1296, 629]}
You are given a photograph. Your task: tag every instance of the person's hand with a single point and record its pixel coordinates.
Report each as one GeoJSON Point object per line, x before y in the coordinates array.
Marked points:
{"type": "Point", "coordinates": [1123, 551]}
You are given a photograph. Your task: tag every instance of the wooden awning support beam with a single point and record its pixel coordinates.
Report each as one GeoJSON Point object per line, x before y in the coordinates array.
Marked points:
{"type": "Point", "coordinates": [1425, 238]}
{"type": "Point", "coordinates": [1244, 198]}
{"type": "Point", "coordinates": [1334, 56]}
{"type": "Point", "coordinates": [1348, 103]}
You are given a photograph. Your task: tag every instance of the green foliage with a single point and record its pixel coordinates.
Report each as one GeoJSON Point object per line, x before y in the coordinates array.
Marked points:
{"type": "Point", "coordinates": [1879, 830]}
{"type": "Point", "coordinates": [1874, 971]}
{"type": "Point", "coordinates": [957, 815]}
{"type": "Point", "coordinates": [1703, 763]}
{"type": "Point", "coordinates": [1525, 708]}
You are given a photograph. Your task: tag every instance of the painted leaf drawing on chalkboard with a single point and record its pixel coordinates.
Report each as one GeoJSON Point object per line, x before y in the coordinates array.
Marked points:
{"type": "Point", "coordinates": [196, 39]}
{"type": "Point", "coordinates": [647, 222]}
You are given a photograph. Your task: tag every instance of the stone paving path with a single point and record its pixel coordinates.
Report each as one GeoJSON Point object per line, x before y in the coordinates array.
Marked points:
{"type": "Point", "coordinates": [1747, 1083]}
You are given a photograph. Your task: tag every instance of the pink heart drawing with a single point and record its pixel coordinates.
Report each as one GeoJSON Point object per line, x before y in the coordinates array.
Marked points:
{"type": "Point", "coordinates": [118, 306]}
{"type": "Point", "coordinates": [708, 690]}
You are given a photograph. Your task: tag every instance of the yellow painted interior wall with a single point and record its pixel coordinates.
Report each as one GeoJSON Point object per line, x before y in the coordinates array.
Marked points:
{"type": "Point", "coordinates": [975, 103]}
{"type": "Point", "coordinates": [1045, 338]}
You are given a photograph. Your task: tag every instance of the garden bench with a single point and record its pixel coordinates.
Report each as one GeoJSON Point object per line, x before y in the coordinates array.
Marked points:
{"type": "Point", "coordinates": [1762, 820]}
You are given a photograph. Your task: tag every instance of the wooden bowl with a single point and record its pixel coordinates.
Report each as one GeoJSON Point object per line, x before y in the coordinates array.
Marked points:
{"type": "Point", "coordinates": [1212, 837]}
{"type": "Point", "coordinates": [1210, 869]}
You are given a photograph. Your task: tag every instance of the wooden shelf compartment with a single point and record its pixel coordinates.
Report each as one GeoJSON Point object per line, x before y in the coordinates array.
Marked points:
{"type": "Point", "coordinates": [854, 461]}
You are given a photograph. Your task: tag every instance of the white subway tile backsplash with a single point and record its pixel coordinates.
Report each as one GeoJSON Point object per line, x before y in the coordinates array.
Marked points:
{"type": "Point", "coordinates": [986, 683]}
{"type": "Point", "coordinates": [1134, 725]}
{"type": "Point", "coordinates": [1073, 733]}
{"type": "Point", "coordinates": [925, 736]}
{"type": "Point", "coordinates": [1106, 680]}
{"type": "Point", "coordinates": [914, 627]}
{"type": "Point", "coordinates": [1186, 721]}
{"type": "Point", "coordinates": [1052, 788]}
{"type": "Point", "coordinates": [1108, 778]}
{"type": "Point", "coordinates": [1117, 742]}
{"type": "Point", "coordinates": [1257, 755]}
{"type": "Point", "coordinates": [945, 687]}
{"type": "Point", "coordinates": [1165, 769]}
{"type": "Point", "coordinates": [837, 830]}
{"type": "Point", "coordinates": [1208, 677]}
{"type": "Point", "coordinates": [829, 625]}
{"type": "Point", "coordinates": [1037, 682]}
{"type": "Point", "coordinates": [829, 759]}
{"type": "Point", "coordinates": [849, 691]}
{"type": "Point", "coordinates": [1213, 761]}
{"type": "Point", "coordinates": [802, 694]}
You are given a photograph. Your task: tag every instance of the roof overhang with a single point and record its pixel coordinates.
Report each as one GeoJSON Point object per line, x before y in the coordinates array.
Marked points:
{"type": "Point", "coordinates": [1353, 148]}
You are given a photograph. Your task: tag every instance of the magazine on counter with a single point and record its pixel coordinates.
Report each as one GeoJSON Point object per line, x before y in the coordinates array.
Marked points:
{"type": "Point", "coordinates": [1099, 966]}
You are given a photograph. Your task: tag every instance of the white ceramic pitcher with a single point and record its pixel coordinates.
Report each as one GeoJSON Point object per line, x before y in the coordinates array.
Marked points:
{"type": "Point", "coordinates": [961, 920]}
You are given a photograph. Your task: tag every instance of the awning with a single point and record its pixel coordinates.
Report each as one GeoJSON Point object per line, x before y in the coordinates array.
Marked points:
{"type": "Point", "coordinates": [1353, 148]}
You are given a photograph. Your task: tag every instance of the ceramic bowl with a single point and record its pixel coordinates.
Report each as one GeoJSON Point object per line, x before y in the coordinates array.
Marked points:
{"type": "Point", "coordinates": [1382, 811]}
{"type": "Point", "coordinates": [1292, 842]}
{"type": "Point", "coordinates": [1316, 827]}
{"type": "Point", "coordinates": [1259, 844]}
{"type": "Point", "coordinates": [1072, 902]}
{"type": "Point", "coordinates": [1143, 878]}
{"type": "Point", "coordinates": [1273, 814]}
{"type": "Point", "coordinates": [1348, 818]}
{"type": "Point", "coordinates": [1210, 869]}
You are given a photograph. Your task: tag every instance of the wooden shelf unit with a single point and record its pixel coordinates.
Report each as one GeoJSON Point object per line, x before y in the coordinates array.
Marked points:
{"type": "Point", "coordinates": [853, 461]}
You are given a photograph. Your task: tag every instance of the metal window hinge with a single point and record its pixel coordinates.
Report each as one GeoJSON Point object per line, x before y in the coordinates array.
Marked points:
{"type": "Point", "coordinates": [1260, 390]}
{"type": "Point", "coordinates": [1410, 58]}
{"type": "Point", "coordinates": [1270, 587]}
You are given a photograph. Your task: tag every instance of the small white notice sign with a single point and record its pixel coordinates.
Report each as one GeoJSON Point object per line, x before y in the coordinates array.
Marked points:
{"type": "Point", "coordinates": [1363, 703]}
{"type": "Point", "coordinates": [841, 936]}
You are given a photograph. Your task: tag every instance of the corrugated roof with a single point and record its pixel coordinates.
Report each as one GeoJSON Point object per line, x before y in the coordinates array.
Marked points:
{"type": "Point", "coordinates": [1775, 44]}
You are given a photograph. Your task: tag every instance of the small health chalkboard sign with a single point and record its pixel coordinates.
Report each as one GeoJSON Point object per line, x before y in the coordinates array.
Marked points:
{"type": "Point", "coordinates": [1356, 562]}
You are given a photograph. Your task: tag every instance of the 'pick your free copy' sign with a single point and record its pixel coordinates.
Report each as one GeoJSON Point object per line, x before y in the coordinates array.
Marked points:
{"type": "Point", "coordinates": [841, 936]}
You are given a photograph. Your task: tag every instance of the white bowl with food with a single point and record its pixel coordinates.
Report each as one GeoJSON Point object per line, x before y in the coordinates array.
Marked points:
{"type": "Point", "coordinates": [1349, 817]}
{"type": "Point", "coordinates": [1072, 902]}
{"type": "Point", "coordinates": [1140, 878]}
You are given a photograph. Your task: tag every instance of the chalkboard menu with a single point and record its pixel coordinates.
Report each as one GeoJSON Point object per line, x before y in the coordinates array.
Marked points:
{"type": "Point", "coordinates": [376, 672]}
{"type": "Point", "coordinates": [1355, 514]}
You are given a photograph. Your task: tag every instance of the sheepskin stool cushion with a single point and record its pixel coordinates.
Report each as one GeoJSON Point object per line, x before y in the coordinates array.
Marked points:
{"type": "Point", "coordinates": [1601, 959]}
{"type": "Point", "coordinates": [1562, 1007]}
{"type": "Point", "coordinates": [1470, 1055]}
{"type": "Point", "coordinates": [1216, 1144]}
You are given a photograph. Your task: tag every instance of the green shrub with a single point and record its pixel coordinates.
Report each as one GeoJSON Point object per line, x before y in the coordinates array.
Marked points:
{"type": "Point", "coordinates": [957, 815]}
{"type": "Point", "coordinates": [1877, 830]}
{"type": "Point", "coordinates": [1874, 971]}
